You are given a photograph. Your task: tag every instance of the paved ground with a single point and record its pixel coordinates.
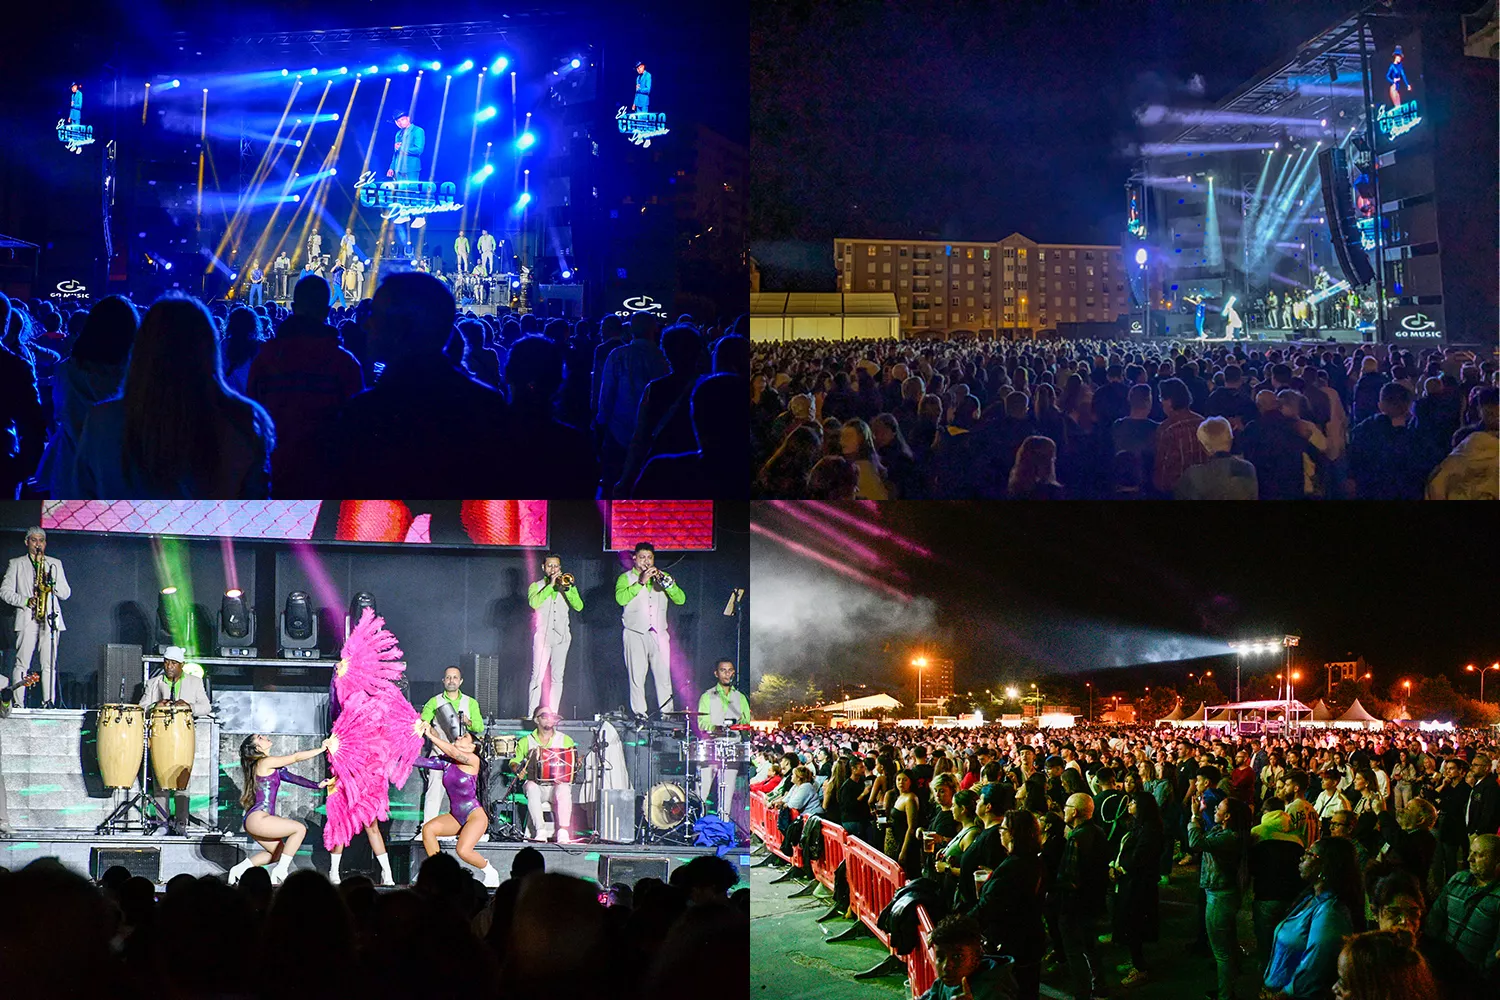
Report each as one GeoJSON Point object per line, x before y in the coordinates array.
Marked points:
{"type": "Point", "coordinates": [791, 958]}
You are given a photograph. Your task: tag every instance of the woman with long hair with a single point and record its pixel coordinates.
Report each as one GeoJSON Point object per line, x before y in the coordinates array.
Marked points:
{"type": "Point", "coordinates": [901, 842]}
{"type": "Point", "coordinates": [837, 775]}
{"type": "Point", "coordinates": [1305, 947]}
{"type": "Point", "coordinates": [90, 375]}
{"type": "Point", "coordinates": [241, 343]}
{"type": "Point", "coordinates": [1222, 877]}
{"type": "Point", "coordinates": [857, 444]}
{"type": "Point", "coordinates": [1010, 904]}
{"type": "Point", "coordinates": [176, 431]}
{"type": "Point", "coordinates": [1384, 965]}
{"type": "Point", "coordinates": [1135, 871]}
{"type": "Point", "coordinates": [466, 818]}
{"type": "Point", "coordinates": [1034, 476]}
{"type": "Point", "coordinates": [784, 476]}
{"type": "Point", "coordinates": [261, 777]}
{"type": "Point", "coordinates": [896, 456]}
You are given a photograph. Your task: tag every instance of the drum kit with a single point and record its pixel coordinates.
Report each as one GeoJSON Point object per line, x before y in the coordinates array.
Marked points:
{"type": "Point", "coordinates": [670, 809]}
{"type": "Point", "coordinates": [129, 736]}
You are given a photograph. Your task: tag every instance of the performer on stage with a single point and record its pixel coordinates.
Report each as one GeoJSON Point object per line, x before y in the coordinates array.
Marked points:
{"type": "Point", "coordinates": [721, 706]}
{"type": "Point", "coordinates": [281, 269]}
{"type": "Point", "coordinates": [278, 836]}
{"type": "Point", "coordinates": [354, 279]}
{"type": "Point", "coordinates": [469, 718]}
{"type": "Point", "coordinates": [527, 764]}
{"type": "Point", "coordinates": [336, 283]}
{"type": "Point", "coordinates": [466, 818]}
{"type": "Point", "coordinates": [481, 285]}
{"type": "Point", "coordinates": [75, 104]}
{"type": "Point", "coordinates": [550, 598]}
{"type": "Point", "coordinates": [315, 246]}
{"type": "Point", "coordinates": [257, 294]}
{"type": "Point", "coordinates": [644, 592]}
{"type": "Point", "coordinates": [1396, 77]}
{"type": "Point", "coordinates": [346, 247]}
{"type": "Point", "coordinates": [1233, 324]}
{"type": "Point", "coordinates": [35, 585]}
{"type": "Point", "coordinates": [406, 161]}
{"type": "Point", "coordinates": [642, 88]}
{"type": "Point", "coordinates": [461, 251]}
{"type": "Point", "coordinates": [487, 250]}
{"type": "Point", "coordinates": [175, 687]}
{"type": "Point", "coordinates": [1199, 312]}
{"type": "Point", "coordinates": [1271, 309]}
{"type": "Point", "coordinates": [1286, 312]}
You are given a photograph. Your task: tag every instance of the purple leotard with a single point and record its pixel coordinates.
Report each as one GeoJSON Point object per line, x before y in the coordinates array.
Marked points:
{"type": "Point", "coordinates": [463, 795]}
{"type": "Point", "coordinates": [267, 788]}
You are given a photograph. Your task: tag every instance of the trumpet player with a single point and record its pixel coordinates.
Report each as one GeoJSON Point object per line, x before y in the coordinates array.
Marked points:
{"type": "Point", "coordinates": [643, 592]}
{"type": "Point", "coordinates": [550, 599]}
{"type": "Point", "coordinates": [36, 586]}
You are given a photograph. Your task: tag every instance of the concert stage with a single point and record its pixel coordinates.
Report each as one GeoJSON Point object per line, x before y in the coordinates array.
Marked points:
{"type": "Point", "coordinates": [1264, 338]}
{"type": "Point", "coordinates": [161, 857]}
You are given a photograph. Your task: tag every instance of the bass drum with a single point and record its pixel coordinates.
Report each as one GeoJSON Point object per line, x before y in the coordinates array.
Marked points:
{"type": "Point", "coordinates": [122, 737]}
{"type": "Point", "coordinates": [665, 805]}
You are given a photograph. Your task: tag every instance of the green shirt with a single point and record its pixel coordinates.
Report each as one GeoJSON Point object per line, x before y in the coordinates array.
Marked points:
{"type": "Point", "coordinates": [529, 742]}
{"type": "Point", "coordinates": [463, 703]}
{"type": "Point", "coordinates": [625, 590]}
{"type": "Point", "coordinates": [732, 706]}
{"type": "Point", "coordinates": [542, 591]}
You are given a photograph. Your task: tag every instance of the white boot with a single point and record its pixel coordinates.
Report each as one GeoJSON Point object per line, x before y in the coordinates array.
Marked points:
{"type": "Point", "coordinates": [490, 875]}
{"type": "Point", "coordinates": [385, 869]}
{"type": "Point", "coordinates": [333, 867]}
{"type": "Point", "coordinates": [239, 870]}
{"type": "Point", "coordinates": [278, 873]}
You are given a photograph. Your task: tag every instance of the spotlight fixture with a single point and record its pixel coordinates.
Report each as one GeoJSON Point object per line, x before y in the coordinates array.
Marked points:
{"type": "Point", "coordinates": [176, 83]}
{"type": "Point", "coordinates": [372, 69]}
{"type": "Point", "coordinates": [236, 625]}
{"type": "Point", "coordinates": [486, 114]}
{"type": "Point", "coordinates": [283, 72]}
{"type": "Point", "coordinates": [343, 69]}
{"type": "Point", "coordinates": [482, 174]}
{"type": "Point", "coordinates": [499, 64]}
{"type": "Point", "coordinates": [234, 276]}
{"type": "Point", "coordinates": [357, 604]}
{"type": "Point", "coordinates": [173, 617]}
{"type": "Point", "coordinates": [467, 65]}
{"type": "Point", "coordinates": [314, 71]}
{"type": "Point", "coordinates": [575, 63]}
{"type": "Point", "coordinates": [567, 274]}
{"type": "Point", "coordinates": [522, 201]}
{"type": "Point", "coordinates": [526, 141]}
{"type": "Point", "coordinates": [435, 64]}
{"type": "Point", "coordinates": [299, 628]}
{"type": "Point", "coordinates": [404, 67]}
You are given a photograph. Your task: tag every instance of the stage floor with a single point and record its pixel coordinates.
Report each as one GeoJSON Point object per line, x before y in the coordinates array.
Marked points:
{"type": "Point", "coordinates": [1266, 337]}
{"type": "Point", "coordinates": [162, 857]}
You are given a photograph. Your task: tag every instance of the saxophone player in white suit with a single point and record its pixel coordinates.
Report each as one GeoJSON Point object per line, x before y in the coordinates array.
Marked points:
{"type": "Point", "coordinates": [36, 586]}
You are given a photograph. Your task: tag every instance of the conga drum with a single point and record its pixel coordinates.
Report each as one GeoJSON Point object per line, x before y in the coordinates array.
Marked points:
{"type": "Point", "coordinates": [173, 741]}
{"type": "Point", "coordinates": [122, 738]}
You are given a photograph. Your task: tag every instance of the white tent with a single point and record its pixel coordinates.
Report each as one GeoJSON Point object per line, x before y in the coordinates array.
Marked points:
{"type": "Point", "coordinates": [858, 707]}
{"type": "Point", "coordinates": [1193, 718]}
{"type": "Point", "coordinates": [1357, 718]}
{"type": "Point", "coordinates": [779, 316]}
{"type": "Point", "coordinates": [1321, 716]}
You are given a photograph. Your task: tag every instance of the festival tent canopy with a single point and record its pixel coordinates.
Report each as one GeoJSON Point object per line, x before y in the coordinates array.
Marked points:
{"type": "Point", "coordinates": [852, 706]}
{"type": "Point", "coordinates": [1174, 716]}
{"type": "Point", "coordinates": [1357, 717]}
{"type": "Point", "coordinates": [781, 316]}
{"type": "Point", "coordinates": [1320, 712]}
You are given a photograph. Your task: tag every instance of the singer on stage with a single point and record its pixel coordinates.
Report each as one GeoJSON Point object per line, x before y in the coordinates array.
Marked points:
{"type": "Point", "coordinates": [35, 586]}
{"type": "Point", "coordinates": [644, 592]}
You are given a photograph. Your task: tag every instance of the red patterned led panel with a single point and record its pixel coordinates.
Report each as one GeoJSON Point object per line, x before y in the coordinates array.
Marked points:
{"type": "Point", "coordinates": [667, 524]}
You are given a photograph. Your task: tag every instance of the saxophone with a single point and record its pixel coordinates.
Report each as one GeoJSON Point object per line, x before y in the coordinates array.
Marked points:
{"type": "Point", "coordinates": [41, 591]}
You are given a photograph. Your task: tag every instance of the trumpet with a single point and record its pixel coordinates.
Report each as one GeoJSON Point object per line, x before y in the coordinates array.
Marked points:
{"type": "Point", "coordinates": [563, 582]}
{"type": "Point", "coordinates": [664, 580]}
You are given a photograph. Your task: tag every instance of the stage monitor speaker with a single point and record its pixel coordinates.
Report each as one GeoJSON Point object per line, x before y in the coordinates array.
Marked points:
{"type": "Point", "coordinates": [142, 861]}
{"type": "Point", "coordinates": [632, 869]}
{"type": "Point", "coordinates": [121, 673]}
{"type": "Point", "coordinates": [485, 672]}
{"type": "Point", "coordinates": [1338, 204]}
{"type": "Point", "coordinates": [617, 816]}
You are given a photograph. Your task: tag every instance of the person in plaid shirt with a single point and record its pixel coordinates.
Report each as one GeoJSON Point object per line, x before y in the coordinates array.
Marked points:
{"type": "Point", "coordinates": [1177, 444]}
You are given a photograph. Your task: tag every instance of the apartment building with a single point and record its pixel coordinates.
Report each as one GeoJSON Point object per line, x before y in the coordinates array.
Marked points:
{"type": "Point", "coordinates": [1016, 284]}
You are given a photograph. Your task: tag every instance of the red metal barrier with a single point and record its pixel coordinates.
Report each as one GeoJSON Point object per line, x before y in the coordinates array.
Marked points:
{"type": "Point", "coordinates": [833, 853]}
{"type": "Point", "coordinates": [758, 816]}
{"type": "Point", "coordinates": [922, 962]}
{"type": "Point", "coordinates": [874, 880]}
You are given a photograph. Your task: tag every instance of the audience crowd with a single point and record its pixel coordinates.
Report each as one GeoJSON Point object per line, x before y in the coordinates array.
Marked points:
{"type": "Point", "coordinates": [186, 401]}
{"type": "Point", "coordinates": [1367, 863]}
{"type": "Point", "coordinates": [540, 933]}
{"type": "Point", "coordinates": [1086, 419]}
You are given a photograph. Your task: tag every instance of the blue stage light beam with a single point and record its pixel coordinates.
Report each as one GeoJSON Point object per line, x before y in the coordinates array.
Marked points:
{"type": "Point", "coordinates": [435, 64]}
{"type": "Point", "coordinates": [575, 63]}
{"type": "Point", "coordinates": [404, 67]}
{"type": "Point", "coordinates": [482, 174]}
{"type": "Point", "coordinates": [524, 200]}
{"type": "Point", "coordinates": [372, 69]}
{"type": "Point", "coordinates": [498, 66]}
{"type": "Point", "coordinates": [1213, 240]}
{"type": "Point", "coordinates": [486, 114]}
{"type": "Point", "coordinates": [526, 140]}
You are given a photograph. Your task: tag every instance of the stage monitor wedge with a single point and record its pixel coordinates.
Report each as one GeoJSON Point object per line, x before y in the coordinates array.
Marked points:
{"type": "Point", "coordinates": [1338, 201]}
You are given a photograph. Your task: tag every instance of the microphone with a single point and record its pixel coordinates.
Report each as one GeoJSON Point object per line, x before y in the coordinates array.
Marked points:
{"type": "Point", "coordinates": [122, 689]}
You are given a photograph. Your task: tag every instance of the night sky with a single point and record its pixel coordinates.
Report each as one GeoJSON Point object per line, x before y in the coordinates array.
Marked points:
{"type": "Point", "coordinates": [1011, 592]}
{"type": "Point", "coordinates": [971, 121]}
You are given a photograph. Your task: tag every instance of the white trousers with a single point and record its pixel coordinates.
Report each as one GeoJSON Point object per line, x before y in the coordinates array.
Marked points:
{"type": "Point", "coordinates": [561, 797]}
{"type": "Point", "coordinates": [31, 636]}
{"type": "Point", "coordinates": [724, 797]}
{"type": "Point", "coordinates": [463, 261]}
{"type": "Point", "coordinates": [435, 801]}
{"type": "Point", "coordinates": [488, 260]}
{"type": "Point", "coordinates": [648, 651]}
{"type": "Point", "coordinates": [544, 652]}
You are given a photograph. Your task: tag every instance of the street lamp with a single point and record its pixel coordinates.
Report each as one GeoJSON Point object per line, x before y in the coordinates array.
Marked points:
{"type": "Point", "coordinates": [1090, 686]}
{"type": "Point", "coordinates": [920, 663]}
{"type": "Point", "coordinates": [1481, 670]}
